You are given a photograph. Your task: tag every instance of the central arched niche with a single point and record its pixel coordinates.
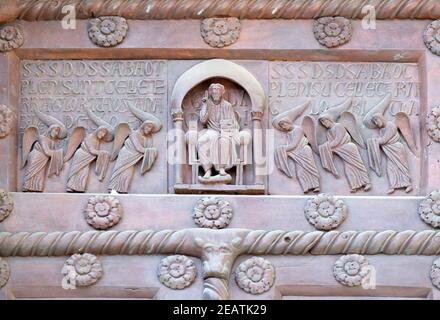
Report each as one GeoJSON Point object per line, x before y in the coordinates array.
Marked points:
{"type": "Point", "coordinates": [246, 95]}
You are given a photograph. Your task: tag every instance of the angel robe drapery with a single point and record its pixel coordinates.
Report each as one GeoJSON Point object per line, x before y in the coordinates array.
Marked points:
{"type": "Point", "coordinates": [305, 166]}
{"type": "Point", "coordinates": [79, 169]}
{"type": "Point", "coordinates": [37, 161]}
{"type": "Point", "coordinates": [397, 163]}
{"type": "Point", "coordinates": [339, 142]}
{"type": "Point", "coordinates": [132, 152]}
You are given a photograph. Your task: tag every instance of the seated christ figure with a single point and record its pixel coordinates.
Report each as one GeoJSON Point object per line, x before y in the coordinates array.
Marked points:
{"type": "Point", "coordinates": [218, 144]}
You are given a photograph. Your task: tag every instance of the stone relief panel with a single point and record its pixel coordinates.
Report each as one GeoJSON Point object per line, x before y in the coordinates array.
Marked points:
{"type": "Point", "coordinates": [218, 168]}
{"type": "Point", "coordinates": [345, 127]}
{"type": "Point", "coordinates": [81, 270]}
{"type": "Point", "coordinates": [177, 272]}
{"type": "Point", "coordinates": [6, 204]}
{"type": "Point", "coordinates": [7, 119]}
{"type": "Point", "coordinates": [110, 115]}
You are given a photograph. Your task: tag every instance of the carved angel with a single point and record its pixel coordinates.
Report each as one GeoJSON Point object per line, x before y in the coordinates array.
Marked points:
{"type": "Point", "coordinates": [389, 142]}
{"type": "Point", "coordinates": [297, 148]}
{"type": "Point", "coordinates": [87, 153]}
{"type": "Point", "coordinates": [339, 142]}
{"type": "Point", "coordinates": [40, 152]}
{"type": "Point", "coordinates": [138, 145]}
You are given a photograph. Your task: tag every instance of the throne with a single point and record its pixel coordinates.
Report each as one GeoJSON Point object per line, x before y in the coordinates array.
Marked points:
{"type": "Point", "coordinates": [244, 176]}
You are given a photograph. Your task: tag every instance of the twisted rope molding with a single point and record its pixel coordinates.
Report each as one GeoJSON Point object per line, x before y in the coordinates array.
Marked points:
{"type": "Point", "coordinates": [196, 9]}
{"type": "Point", "coordinates": [255, 242]}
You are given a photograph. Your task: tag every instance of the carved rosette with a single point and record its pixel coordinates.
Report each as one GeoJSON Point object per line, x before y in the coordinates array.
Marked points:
{"type": "Point", "coordinates": [435, 273]}
{"type": "Point", "coordinates": [255, 275]}
{"type": "Point", "coordinates": [6, 205]}
{"type": "Point", "coordinates": [11, 37]}
{"type": "Point", "coordinates": [82, 270]}
{"type": "Point", "coordinates": [431, 37]}
{"type": "Point", "coordinates": [212, 212]}
{"type": "Point", "coordinates": [6, 120]}
{"type": "Point", "coordinates": [351, 269]}
{"type": "Point", "coordinates": [107, 31]}
{"type": "Point", "coordinates": [5, 272]}
{"type": "Point", "coordinates": [220, 32]}
{"type": "Point", "coordinates": [429, 209]}
{"type": "Point", "coordinates": [177, 272]}
{"type": "Point", "coordinates": [332, 31]}
{"type": "Point", "coordinates": [433, 124]}
{"type": "Point", "coordinates": [103, 212]}
{"type": "Point", "coordinates": [325, 212]}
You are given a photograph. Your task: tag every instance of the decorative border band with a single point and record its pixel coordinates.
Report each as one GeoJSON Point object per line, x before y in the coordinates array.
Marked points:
{"type": "Point", "coordinates": [255, 242]}
{"type": "Point", "coordinates": [198, 9]}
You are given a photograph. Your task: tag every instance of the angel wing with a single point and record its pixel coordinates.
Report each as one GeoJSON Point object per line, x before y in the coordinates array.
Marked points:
{"type": "Point", "coordinates": [403, 124]}
{"type": "Point", "coordinates": [310, 129]}
{"type": "Point", "coordinates": [122, 131]}
{"type": "Point", "coordinates": [77, 136]}
{"type": "Point", "coordinates": [30, 136]}
{"type": "Point", "coordinates": [348, 120]}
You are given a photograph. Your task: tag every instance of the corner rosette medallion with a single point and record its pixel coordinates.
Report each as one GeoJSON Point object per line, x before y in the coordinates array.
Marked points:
{"type": "Point", "coordinates": [6, 205]}
{"type": "Point", "coordinates": [5, 272]}
{"type": "Point", "coordinates": [255, 275]}
{"type": "Point", "coordinates": [11, 37]}
{"type": "Point", "coordinates": [220, 32]}
{"type": "Point", "coordinates": [435, 273]}
{"type": "Point", "coordinates": [107, 31]}
{"type": "Point", "coordinates": [177, 272]}
{"type": "Point", "coordinates": [212, 212]}
{"type": "Point", "coordinates": [429, 209]}
{"type": "Point", "coordinates": [82, 270]}
{"type": "Point", "coordinates": [431, 37]}
{"type": "Point", "coordinates": [6, 120]}
{"type": "Point", "coordinates": [103, 212]}
{"type": "Point", "coordinates": [433, 124]}
{"type": "Point", "coordinates": [351, 269]}
{"type": "Point", "coordinates": [325, 212]}
{"type": "Point", "coordinates": [332, 31]}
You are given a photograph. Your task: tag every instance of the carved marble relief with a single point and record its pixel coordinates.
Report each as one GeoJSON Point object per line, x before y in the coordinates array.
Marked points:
{"type": "Point", "coordinates": [325, 212]}
{"type": "Point", "coordinates": [217, 259]}
{"type": "Point", "coordinates": [81, 270]}
{"type": "Point", "coordinates": [88, 152]}
{"type": "Point", "coordinates": [94, 100]}
{"type": "Point", "coordinates": [137, 146]}
{"type": "Point", "coordinates": [11, 37]}
{"type": "Point", "coordinates": [212, 212]}
{"type": "Point", "coordinates": [298, 148]}
{"type": "Point", "coordinates": [222, 145]}
{"type": "Point", "coordinates": [41, 153]}
{"type": "Point", "coordinates": [255, 275]}
{"type": "Point", "coordinates": [434, 274]}
{"type": "Point", "coordinates": [429, 209]}
{"type": "Point", "coordinates": [351, 270]}
{"type": "Point", "coordinates": [6, 204]}
{"type": "Point", "coordinates": [107, 31]}
{"type": "Point", "coordinates": [433, 124]}
{"type": "Point", "coordinates": [177, 272]}
{"type": "Point", "coordinates": [5, 272]}
{"type": "Point", "coordinates": [389, 142]}
{"type": "Point", "coordinates": [332, 31]}
{"type": "Point", "coordinates": [431, 37]}
{"type": "Point", "coordinates": [103, 212]}
{"type": "Point", "coordinates": [215, 134]}
{"type": "Point", "coordinates": [342, 132]}
{"type": "Point", "coordinates": [346, 104]}
{"type": "Point", "coordinates": [220, 32]}
{"type": "Point", "coordinates": [7, 119]}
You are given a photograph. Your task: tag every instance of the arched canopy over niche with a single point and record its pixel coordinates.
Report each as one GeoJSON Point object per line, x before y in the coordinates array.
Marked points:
{"type": "Point", "coordinates": [218, 68]}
